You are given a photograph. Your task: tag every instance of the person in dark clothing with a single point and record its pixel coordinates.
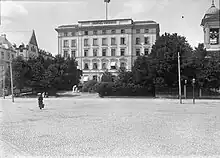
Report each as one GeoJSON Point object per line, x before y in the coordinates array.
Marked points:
{"type": "Point", "coordinates": [40, 101]}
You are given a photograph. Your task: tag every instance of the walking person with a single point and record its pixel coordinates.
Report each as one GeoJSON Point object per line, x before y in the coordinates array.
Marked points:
{"type": "Point", "coordinates": [40, 101]}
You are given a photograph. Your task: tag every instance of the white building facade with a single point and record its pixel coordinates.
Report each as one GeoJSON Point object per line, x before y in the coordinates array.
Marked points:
{"type": "Point", "coordinates": [102, 45]}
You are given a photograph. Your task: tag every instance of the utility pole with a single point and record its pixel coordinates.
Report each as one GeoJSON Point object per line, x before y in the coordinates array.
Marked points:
{"type": "Point", "coordinates": [180, 97]}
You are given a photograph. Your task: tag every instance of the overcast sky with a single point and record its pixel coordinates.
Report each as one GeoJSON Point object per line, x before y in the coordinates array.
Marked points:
{"type": "Point", "coordinates": [19, 18]}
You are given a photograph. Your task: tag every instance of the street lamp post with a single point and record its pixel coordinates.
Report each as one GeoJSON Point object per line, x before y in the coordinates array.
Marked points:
{"type": "Point", "coordinates": [193, 84]}
{"type": "Point", "coordinates": [185, 89]}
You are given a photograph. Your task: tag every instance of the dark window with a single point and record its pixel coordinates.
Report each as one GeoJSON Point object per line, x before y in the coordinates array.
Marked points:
{"type": "Point", "coordinates": [146, 51]}
{"type": "Point", "coordinates": [95, 52]}
{"type": "Point", "coordinates": [113, 31]}
{"type": "Point", "coordinates": [112, 52]}
{"type": "Point", "coordinates": [86, 33]}
{"type": "Point", "coordinates": [73, 33]}
{"type": "Point", "coordinates": [65, 34]}
{"type": "Point", "coordinates": [103, 65]}
{"type": "Point", "coordinates": [95, 66]}
{"type": "Point", "coordinates": [95, 32]}
{"type": "Point", "coordinates": [86, 66]}
{"type": "Point", "coordinates": [66, 43]}
{"type": "Point", "coordinates": [122, 40]}
{"type": "Point", "coordinates": [138, 52]}
{"type": "Point", "coordinates": [104, 41]}
{"type": "Point", "coordinates": [86, 53]}
{"type": "Point", "coordinates": [65, 54]}
{"type": "Point", "coordinates": [146, 40]}
{"type": "Point", "coordinates": [2, 55]}
{"type": "Point", "coordinates": [138, 31]}
{"type": "Point", "coordinates": [214, 36]}
{"type": "Point", "coordinates": [138, 40]}
{"type": "Point", "coordinates": [103, 32]}
{"type": "Point", "coordinates": [122, 65]}
{"type": "Point", "coordinates": [122, 52]}
{"type": "Point", "coordinates": [113, 41]}
{"type": "Point", "coordinates": [95, 42]}
{"type": "Point", "coordinates": [73, 43]}
{"type": "Point", "coordinates": [122, 31]}
{"type": "Point", "coordinates": [86, 42]}
{"type": "Point", "coordinates": [95, 77]}
{"type": "Point", "coordinates": [73, 53]}
{"type": "Point", "coordinates": [146, 31]}
{"type": "Point", "coordinates": [104, 52]}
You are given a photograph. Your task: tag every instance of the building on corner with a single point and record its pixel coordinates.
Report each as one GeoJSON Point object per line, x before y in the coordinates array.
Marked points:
{"type": "Point", "coordinates": [100, 45]}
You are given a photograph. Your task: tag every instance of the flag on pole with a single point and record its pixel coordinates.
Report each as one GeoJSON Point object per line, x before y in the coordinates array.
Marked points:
{"type": "Point", "coordinates": [107, 1]}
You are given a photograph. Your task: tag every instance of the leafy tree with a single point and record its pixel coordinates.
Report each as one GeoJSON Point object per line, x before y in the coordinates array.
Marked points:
{"type": "Point", "coordinates": [107, 77]}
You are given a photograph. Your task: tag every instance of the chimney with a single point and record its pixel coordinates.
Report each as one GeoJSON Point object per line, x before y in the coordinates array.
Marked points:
{"type": "Point", "coordinates": [3, 35]}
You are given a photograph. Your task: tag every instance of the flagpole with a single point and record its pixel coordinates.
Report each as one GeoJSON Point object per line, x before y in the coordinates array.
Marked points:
{"type": "Point", "coordinates": [106, 9]}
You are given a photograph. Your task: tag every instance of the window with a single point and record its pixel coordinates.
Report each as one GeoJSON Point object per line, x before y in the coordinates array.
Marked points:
{"type": "Point", "coordinates": [66, 43]}
{"type": "Point", "coordinates": [138, 52]}
{"type": "Point", "coordinates": [113, 31]}
{"type": "Point", "coordinates": [86, 66]}
{"type": "Point", "coordinates": [65, 34]}
{"type": "Point", "coordinates": [122, 40]}
{"type": "Point", "coordinates": [95, 32]}
{"type": "Point", "coordinates": [65, 53]}
{"type": "Point", "coordinates": [138, 30]}
{"type": "Point", "coordinates": [138, 41]}
{"type": "Point", "coordinates": [214, 36]}
{"type": "Point", "coordinates": [12, 56]}
{"type": "Point", "coordinates": [2, 55]}
{"type": "Point", "coordinates": [146, 51]}
{"type": "Point", "coordinates": [122, 31]}
{"type": "Point", "coordinates": [122, 65]}
{"type": "Point", "coordinates": [104, 41]}
{"type": "Point", "coordinates": [73, 43]}
{"type": "Point", "coordinates": [113, 41]}
{"type": "Point", "coordinates": [122, 52]}
{"type": "Point", "coordinates": [146, 30]}
{"type": "Point", "coordinates": [73, 53]}
{"type": "Point", "coordinates": [112, 52]}
{"type": "Point", "coordinates": [86, 42]}
{"type": "Point", "coordinates": [103, 32]}
{"type": "Point", "coordinates": [95, 52]}
{"type": "Point", "coordinates": [146, 40]}
{"type": "Point", "coordinates": [86, 52]}
{"type": "Point", "coordinates": [95, 66]}
{"type": "Point", "coordinates": [113, 65]}
{"type": "Point", "coordinates": [95, 42]}
{"type": "Point", "coordinates": [104, 52]}
{"type": "Point", "coordinates": [104, 66]}
{"type": "Point", "coordinates": [95, 77]}
{"type": "Point", "coordinates": [86, 33]}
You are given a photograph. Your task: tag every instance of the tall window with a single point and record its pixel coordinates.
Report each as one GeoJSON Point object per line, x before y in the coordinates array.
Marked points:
{"type": "Point", "coordinates": [2, 55]}
{"type": "Point", "coordinates": [104, 51]}
{"type": "Point", "coordinates": [146, 40]}
{"type": "Point", "coordinates": [138, 40]}
{"type": "Point", "coordinates": [65, 43]}
{"type": "Point", "coordinates": [122, 40]}
{"type": "Point", "coordinates": [95, 66]}
{"type": "Point", "coordinates": [146, 51]}
{"type": "Point", "coordinates": [65, 54]}
{"type": "Point", "coordinates": [103, 66]}
{"type": "Point", "coordinates": [86, 52]}
{"type": "Point", "coordinates": [86, 32]}
{"type": "Point", "coordinates": [214, 36]}
{"type": "Point", "coordinates": [9, 56]}
{"type": "Point", "coordinates": [86, 66]}
{"type": "Point", "coordinates": [122, 31]}
{"type": "Point", "coordinates": [113, 41]}
{"type": "Point", "coordinates": [95, 52]}
{"type": "Point", "coordinates": [73, 53]}
{"type": "Point", "coordinates": [122, 52]}
{"type": "Point", "coordinates": [86, 42]}
{"type": "Point", "coordinates": [95, 42]}
{"type": "Point", "coordinates": [138, 30]}
{"type": "Point", "coordinates": [65, 34]}
{"type": "Point", "coordinates": [138, 52]}
{"type": "Point", "coordinates": [104, 41]}
{"type": "Point", "coordinates": [113, 52]}
{"type": "Point", "coordinates": [73, 43]}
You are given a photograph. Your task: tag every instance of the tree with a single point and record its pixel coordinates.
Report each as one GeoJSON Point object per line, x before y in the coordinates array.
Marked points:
{"type": "Point", "coordinates": [107, 77]}
{"type": "Point", "coordinates": [165, 60]}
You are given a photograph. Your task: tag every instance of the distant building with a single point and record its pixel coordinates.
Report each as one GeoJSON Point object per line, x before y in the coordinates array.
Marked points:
{"type": "Point", "coordinates": [30, 50]}
{"type": "Point", "coordinates": [211, 28]}
{"type": "Point", "coordinates": [8, 53]}
{"type": "Point", "coordinates": [106, 44]}
{"type": "Point", "coordinates": [45, 54]}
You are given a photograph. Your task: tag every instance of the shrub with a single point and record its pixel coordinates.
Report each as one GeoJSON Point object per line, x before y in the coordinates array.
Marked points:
{"type": "Point", "coordinates": [88, 86]}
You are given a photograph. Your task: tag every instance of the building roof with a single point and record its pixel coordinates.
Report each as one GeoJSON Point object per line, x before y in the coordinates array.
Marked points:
{"type": "Point", "coordinates": [4, 43]}
{"type": "Point", "coordinates": [104, 20]}
{"type": "Point", "coordinates": [33, 39]}
{"type": "Point", "coordinates": [212, 9]}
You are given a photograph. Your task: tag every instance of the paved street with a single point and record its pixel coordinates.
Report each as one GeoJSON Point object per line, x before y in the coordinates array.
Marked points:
{"type": "Point", "coordinates": [93, 126]}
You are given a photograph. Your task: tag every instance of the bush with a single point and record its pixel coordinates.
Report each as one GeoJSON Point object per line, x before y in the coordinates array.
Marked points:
{"type": "Point", "coordinates": [88, 86]}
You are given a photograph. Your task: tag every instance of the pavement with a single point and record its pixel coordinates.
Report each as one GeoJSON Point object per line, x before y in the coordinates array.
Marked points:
{"type": "Point", "coordinates": [89, 126]}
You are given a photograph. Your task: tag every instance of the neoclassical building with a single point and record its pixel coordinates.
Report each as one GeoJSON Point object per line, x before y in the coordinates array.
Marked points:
{"type": "Point", "coordinates": [106, 44]}
{"type": "Point", "coordinates": [211, 28]}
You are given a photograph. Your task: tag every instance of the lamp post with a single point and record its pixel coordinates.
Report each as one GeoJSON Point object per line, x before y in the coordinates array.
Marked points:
{"type": "Point", "coordinates": [193, 84]}
{"type": "Point", "coordinates": [185, 89]}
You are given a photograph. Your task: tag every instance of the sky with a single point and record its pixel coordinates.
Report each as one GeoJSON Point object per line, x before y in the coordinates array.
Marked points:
{"type": "Point", "coordinates": [20, 17]}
